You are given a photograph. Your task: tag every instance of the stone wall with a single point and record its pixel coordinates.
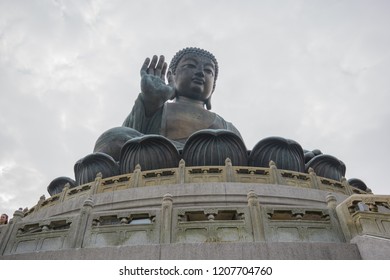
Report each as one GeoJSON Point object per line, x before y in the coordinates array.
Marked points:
{"type": "Point", "coordinates": [177, 220]}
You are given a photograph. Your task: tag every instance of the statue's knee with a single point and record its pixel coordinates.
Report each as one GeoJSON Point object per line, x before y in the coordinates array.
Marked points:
{"type": "Point", "coordinates": [112, 140]}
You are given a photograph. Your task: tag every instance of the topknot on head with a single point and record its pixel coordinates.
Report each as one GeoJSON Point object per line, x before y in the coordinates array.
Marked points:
{"type": "Point", "coordinates": [196, 51]}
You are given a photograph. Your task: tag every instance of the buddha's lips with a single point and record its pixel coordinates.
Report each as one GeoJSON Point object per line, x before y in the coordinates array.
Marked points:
{"type": "Point", "coordinates": [198, 81]}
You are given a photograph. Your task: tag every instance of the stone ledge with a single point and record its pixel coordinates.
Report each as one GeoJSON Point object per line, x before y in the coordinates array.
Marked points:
{"type": "Point", "coordinates": [209, 251]}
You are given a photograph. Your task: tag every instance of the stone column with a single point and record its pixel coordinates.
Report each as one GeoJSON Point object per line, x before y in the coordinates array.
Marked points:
{"type": "Point", "coordinates": [256, 217]}
{"type": "Point", "coordinates": [82, 223]}
{"type": "Point", "coordinates": [166, 219]}
{"type": "Point", "coordinates": [334, 220]}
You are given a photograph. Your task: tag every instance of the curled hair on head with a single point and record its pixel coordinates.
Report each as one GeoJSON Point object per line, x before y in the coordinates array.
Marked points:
{"type": "Point", "coordinates": [196, 51]}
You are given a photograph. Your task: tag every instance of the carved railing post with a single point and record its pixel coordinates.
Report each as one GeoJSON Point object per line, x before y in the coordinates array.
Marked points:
{"type": "Point", "coordinates": [135, 180]}
{"type": "Point", "coordinates": [81, 223]}
{"type": "Point", "coordinates": [64, 192]}
{"type": "Point", "coordinates": [166, 219]}
{"type": "Point", "coordinates": [314, 179]}
{"type": "Point", "coordinates": [256, 219]}
{"type": "Point", "coordinates": [346, 186]}
{"type": "Point", "coordinates": [331, 201]}
{"type": "Point", "coordinates": [39, 204]}
{"type": "Point", "coordinates": [229, 172]}
{"type": "Point", "coordinates": [181, 177]}
{"type": "Point", "coordinates": [275, 174]}
{"type": "Point", "coordinates": [96, 184]}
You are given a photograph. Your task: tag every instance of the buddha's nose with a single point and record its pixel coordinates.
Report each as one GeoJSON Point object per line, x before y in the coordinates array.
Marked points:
{"type": "Point", "coordinates": [199, 72]}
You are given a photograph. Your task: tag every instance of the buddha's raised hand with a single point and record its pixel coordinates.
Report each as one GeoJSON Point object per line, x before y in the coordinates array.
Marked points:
{"type": "Point", "coordinates": [153, 84]}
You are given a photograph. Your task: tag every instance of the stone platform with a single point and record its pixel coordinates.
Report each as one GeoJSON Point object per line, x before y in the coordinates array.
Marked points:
{"type": "Point", "coordinates": [203, 213]}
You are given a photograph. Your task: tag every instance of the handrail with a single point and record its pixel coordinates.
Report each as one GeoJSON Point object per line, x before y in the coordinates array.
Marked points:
{"type": "Point", "coordinates": [196, 174]}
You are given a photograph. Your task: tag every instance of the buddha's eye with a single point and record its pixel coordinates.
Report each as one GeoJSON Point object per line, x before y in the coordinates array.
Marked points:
{"type": "Point", "coordinates": [189, 65]}
{"type": "Point", "coordinates": [209, 71]}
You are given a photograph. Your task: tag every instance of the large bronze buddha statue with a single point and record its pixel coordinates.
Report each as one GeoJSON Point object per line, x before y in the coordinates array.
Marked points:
{"type": "Point", "coordinates": [177, 109]}
{"type": "Point", "coordinates": [172, 121]}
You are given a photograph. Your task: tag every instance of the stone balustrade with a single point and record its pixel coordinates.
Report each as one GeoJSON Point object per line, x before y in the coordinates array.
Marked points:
{"type": "Point", "coordinates": [199, 174]}
{"type": "Point", "coordinates": [365, 215]}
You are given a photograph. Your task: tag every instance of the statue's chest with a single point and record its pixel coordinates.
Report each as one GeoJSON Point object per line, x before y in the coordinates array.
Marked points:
{"type": "Point", "coordinates": [180, 121]}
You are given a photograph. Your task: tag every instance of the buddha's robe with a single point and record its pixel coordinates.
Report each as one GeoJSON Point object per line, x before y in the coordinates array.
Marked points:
{"type": "Point", "coordinates": [176, 121]}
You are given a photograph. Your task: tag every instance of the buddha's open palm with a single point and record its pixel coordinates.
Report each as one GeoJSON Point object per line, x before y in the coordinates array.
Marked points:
{"type": "Point", "coordinates": [153, 79]}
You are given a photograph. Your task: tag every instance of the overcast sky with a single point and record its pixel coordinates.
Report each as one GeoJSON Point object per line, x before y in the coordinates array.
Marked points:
{"type": "Point", "coordinates": [313, 71]}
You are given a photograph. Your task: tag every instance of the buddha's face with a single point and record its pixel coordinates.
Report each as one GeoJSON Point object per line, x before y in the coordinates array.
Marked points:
{"type": "Point", "coordinates": [194, 77]}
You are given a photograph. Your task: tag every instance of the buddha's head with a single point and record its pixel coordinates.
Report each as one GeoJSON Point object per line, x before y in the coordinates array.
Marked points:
{"type": "Point", "coordinates": [193, 72]}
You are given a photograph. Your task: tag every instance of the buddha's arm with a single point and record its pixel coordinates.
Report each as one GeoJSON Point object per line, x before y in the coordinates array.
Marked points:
{"type": "Point", "coordinates": [138, 119]}
{"type": "Point", "coordinates": [152, 102]}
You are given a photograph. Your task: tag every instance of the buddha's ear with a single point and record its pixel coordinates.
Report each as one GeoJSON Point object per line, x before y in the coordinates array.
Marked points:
{"type": "Point", "coordinates": [170, 78]}
{"type": "Point", "coordinates": [171, 82]}
{"type": "Point", "coordinates": [208, 103]}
